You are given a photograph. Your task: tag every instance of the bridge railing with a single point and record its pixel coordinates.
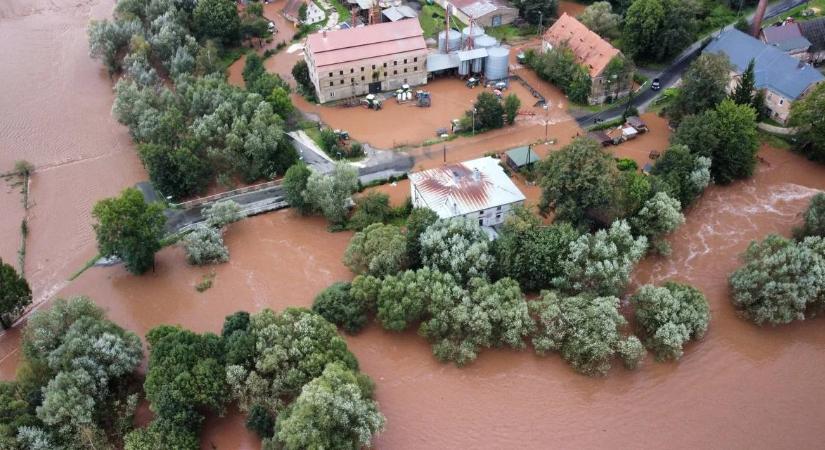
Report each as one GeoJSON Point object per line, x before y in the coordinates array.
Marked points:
{"type": "Point", "coordinates": [215, 197]}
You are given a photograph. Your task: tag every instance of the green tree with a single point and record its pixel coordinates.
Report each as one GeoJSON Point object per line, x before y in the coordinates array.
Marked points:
{"type": "Point", "coordinates": [294, 184]}
{"type": "Point", "coordinates": [300, 71]}
{"type": "Point", "coordinates": [660, 215]}
{"type": "Point", "coordinates": [814, 218]}
{"type": "Point", "coordinates": [781, 280]}
{"type": "Point", "coordinates": [108, 39]}
{"type": "Point", "coordinates": [642, 27]}
{"type": "Point", "coordinates": [176, 172]}
{"type": "Point", "coordinates": [489, 113]}
{"type": "Point", "coordinates": [419, 220]}
{"type": "Point", "coordinates": [130, 229]}
{"type": "Point", "coordinates": [373, 207]}
{"type": "Point", "coordinates": [334, 411]}
{"type": "Point", "coordinates": [330, 193]}
{"type": "Point", "coordinates": [535, 10]}
{"type": "Point", "coordinates": [489, 315]}
{"type": "Point", "coordinates": [727, 135]}
{"type": "Point", "coordinates": [403, 299]}
{"type": "Point", "coordinates": [683, 175]}
{"type": "Point", "coordinates": [291, 349]}
{"type": "Point", "coordinates": [670, 316]}
{"type": "Point", "coordinates": [253, 68]}
{"type": "Point", "coordinates": [585, 330]}
{"type": "Point", "coordinates": [15, 294]}
{"type": "Point", "coordinates": [600, 19]}
{"type": "Point", "coordinates": [457, 246]}
{"type": "Point", "coordinates": [743, 94]}
{"type": "Point", "coordinates": [511, 107]}
{"type": "Point", "coordinates": [578, 180]}
{"type": "Point", "coordinates": [336, 305]}
{"type": "Point", "coordinates": [531, 253]}
{"type": "Point", "coordinates": [217, 19]}
{"type": "Point", "coordinates": [704, 86]}
{"type": "Point", "coordinates": [807, 117]}
{"type": "Point", "coordinates": [280, 101]}
{"type": "Point", "coordinates": [600, 263]}
{"type": "Point", "coordinates": [15, 412]}
{"type": "Point", "coordinates": [378, 250]}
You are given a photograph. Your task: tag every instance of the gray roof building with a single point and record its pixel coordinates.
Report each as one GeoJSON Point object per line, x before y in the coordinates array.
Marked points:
{"type": "Point", "coordinates": [814, 31]}
{"type": "Point", "coordinates": [774, 69]}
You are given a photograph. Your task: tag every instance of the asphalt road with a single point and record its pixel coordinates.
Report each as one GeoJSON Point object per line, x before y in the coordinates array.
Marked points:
{"type": "Point", "coordinates": [673, 72]}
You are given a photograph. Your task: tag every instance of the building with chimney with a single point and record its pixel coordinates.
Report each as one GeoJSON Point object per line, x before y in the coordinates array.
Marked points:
{"type": "Point", "coordinates": [477, 189]}
{"type": "Point", "coordinates": [784, 78]}
{"type": "Point", "coordinates": [357, 61]}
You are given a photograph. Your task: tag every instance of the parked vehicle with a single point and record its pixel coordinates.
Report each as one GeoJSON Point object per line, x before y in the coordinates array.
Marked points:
{"type": "Point", "coordinates": [472, 82]}
{"type": "Point", "coordinates": [655, 85]}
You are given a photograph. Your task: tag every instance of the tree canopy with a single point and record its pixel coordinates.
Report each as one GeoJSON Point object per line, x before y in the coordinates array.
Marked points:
{"type": "Point", "coordinates": [217, 19]}
{"type": "Point", "coordinates": [670, 316]}
{"type": "Point", "coordinates": [704, 86]}
{"type": "Point", "coordinates": [15, 294]}
{"type": "Point", "coordinates": [780, 280]}
{"type": "Point", "coordinates": [130, 229]}
{"type": "Point", "coordinates": [600, 19]}
{"type": "Point", "coordinates": [379, 250]}
{"type": "Point", "coordinates": [457, 246]}
{"type": "Point", "coordinates": [807, 117]}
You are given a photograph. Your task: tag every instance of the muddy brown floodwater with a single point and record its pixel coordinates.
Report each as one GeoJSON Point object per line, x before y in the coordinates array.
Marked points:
{"type": "Point", "coordinates": [741, 387]}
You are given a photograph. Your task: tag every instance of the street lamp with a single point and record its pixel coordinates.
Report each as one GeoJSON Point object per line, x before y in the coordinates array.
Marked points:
{"type": "Point", "coordinates": [546, 108]}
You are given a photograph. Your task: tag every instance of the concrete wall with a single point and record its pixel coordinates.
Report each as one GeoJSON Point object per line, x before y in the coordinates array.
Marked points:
{"type": "Point", "coordinates": [353, 78]}
{"type": "Point", "coordinates": [485, 217]}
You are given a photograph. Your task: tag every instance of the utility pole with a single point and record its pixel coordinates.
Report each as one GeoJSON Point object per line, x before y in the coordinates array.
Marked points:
{"type": "Point", "coordinates": [541, 21]}
{"type": "Point", "coordinates": [445, 153]}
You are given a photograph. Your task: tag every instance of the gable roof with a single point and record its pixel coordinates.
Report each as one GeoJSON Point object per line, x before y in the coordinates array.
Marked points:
{"type": "Point", "coordinates": [479, 8]}
{"type": "Point", "coordinates": [814, 31]}
{"type": "Point", "coordinates": [395, 13]}
{"type": "Point", "coordinates": [353, 44]}
{"type": "Point", "coordinates": [522, 156]}
{"type": "Point", "coordinates": [469, 186]}
{"type": "Point", "coordinates": [774, 69]}
{"type": "Point", "coordinates": [785, 37]}
{"type": "Point", "coordinates": [588, 47]}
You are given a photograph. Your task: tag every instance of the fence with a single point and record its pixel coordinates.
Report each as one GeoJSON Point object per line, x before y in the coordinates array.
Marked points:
{"type": "Point", "coordinates": [213, 198]}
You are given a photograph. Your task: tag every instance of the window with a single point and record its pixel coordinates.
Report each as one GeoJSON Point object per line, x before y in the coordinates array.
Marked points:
{"type": "Point", "coordinates": [342, 81]}
{"type": "Point", "coordinates": [395, 63]}
{"type": "Point", "coordinates": [373, 67]}
{"type": "Point", "coordinates": [781, 101]}
{"type": "Point", "coordinates": [395, 72]}
{"type": "Point", "coordinates": [385, 74]}
{"type": "Point", "coordinates": [330, 74]}
{"type": "Point", "coordinates": [352, 80]}
{"type": "Point", "coordinates": [481, 222]}
{"type": "Point", "coordinates": [362, 68]}
{"type": "Point", "coordinates": [331, 84]}
{"type": "Point", "coordinates": [498, 216]}
{"type": "Point", "coordinates": [405, 80]}
{"type": "Point", "coordinates": [415, 59]}
{"type": "Point", "coordinates": [340, 72]}
{"type": "Point", "coordinates": [498, 208]}
{"type": "Point", "coordinates": [385, 64]}
{"type": "Point", "coordinates": [362, 78]}
{"type": "Point", "coordinates": [332, 94]}
{"type": "Point", "coordinates": [405, 60]}
{"type": "Point", "coordinates": [352, 71]}
{"type": "Point", "coordinates": [405, 70]}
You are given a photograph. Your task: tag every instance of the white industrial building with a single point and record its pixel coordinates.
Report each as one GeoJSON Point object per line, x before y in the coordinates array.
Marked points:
{"type": "Point", "coordinates": [477, 189]}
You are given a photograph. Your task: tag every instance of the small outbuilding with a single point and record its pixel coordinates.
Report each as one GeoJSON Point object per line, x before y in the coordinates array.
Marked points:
{"type": "Point", "coordinates": [637, 123]}
{"type": "Point", "coordinates": [521, 157]}
{"type": "Point", "coordinates": [601, 137]}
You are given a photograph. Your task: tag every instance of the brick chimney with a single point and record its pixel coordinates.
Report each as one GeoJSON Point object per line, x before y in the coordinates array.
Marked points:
{"type": "Point", "coordinates": [757, 18]}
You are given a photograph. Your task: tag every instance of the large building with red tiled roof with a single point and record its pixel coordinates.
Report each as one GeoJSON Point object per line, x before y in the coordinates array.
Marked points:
{"type": "Point", "coordinates": [375, 58]}
{"type": "Point", "coordinates": [591, 51]}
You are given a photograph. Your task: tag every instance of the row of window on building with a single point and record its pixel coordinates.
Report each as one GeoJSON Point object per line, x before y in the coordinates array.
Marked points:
{"type": "Point", "coordinates": [394, 63]}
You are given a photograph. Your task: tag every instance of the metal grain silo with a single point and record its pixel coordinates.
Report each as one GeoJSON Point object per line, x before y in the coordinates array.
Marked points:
{"type": "Point", "coordinates": [497, 65]}
{"type": "Point", "coordinates": [476, 32]}
{"type": "Point", "coordinates": [484, 41]}
{"type": "Point", "coordinates": [464, 68]}
{"type": "Point", "coordinates": [449, 41]}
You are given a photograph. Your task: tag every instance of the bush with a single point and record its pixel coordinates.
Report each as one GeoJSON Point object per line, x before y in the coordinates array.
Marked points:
{"type": "Point", "coordinates": [337, 306]}
{"type": "Point", "coordinates": [814, 217]}
{"type": "Point", "coordinates": [223, 213]}
{"type": "Point", "coordinates": [374, 207]}
{"type": "Point", "coordinates": [379, 250]}
{"type": "Point", "coordinates": [418, 221]}
{"type": "Point", "coordinates": [585, 330]}
{"type": "Point", "coordinates": [626, 165]}
{"type": "Point", "coordinates": [204, 245]}
{"type": "Point", "coordinates": [670, 316]}
{"type": "Point", "coordinates": [294, 183]}
{"type": "Point", "coordinates": [781, 280]}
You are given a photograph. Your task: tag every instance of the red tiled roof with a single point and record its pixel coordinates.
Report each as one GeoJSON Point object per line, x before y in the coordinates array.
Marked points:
{"type": "Point", "coordinates": [590, 49]}
{"type": "Point", "coordinates": [339, 46]}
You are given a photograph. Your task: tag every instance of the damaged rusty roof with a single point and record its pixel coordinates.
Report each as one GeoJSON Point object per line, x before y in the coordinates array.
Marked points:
{"type": "Point", "coordinates": [461, 188]}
